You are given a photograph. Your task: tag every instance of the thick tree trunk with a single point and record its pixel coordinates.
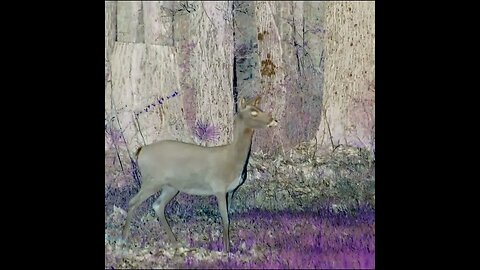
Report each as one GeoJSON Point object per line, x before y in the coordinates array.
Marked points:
{"type": "Point", "coordinates": [173, 71]}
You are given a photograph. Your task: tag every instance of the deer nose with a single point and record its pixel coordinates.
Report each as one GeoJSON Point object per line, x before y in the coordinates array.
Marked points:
{"type": "Point", "coordinates": [272, 123]}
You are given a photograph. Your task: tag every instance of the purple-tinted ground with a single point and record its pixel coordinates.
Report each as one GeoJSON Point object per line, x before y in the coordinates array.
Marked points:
{"type": "Point", "coordinates": [259, 239]}
{"type": "Point", "coordinates": [315, 238]}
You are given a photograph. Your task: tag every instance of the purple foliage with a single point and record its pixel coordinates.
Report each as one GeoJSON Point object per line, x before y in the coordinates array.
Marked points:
{"type": "Point", "coordinates": [276, 240]}
{"type": "Point", "coordinates": [206, 132]}
{"type": "Point", "coordinates": [317, 30]}
{"type": "Point", "coordinates": [115, 135]}
{"type": "Point", "coordinates": [158, 102]}
{"type": "Point", "coordinates": [303, 240]}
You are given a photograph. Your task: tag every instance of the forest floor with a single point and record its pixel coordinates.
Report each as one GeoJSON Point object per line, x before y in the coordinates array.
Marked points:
{"type": "Point", "coordinates": [259, 239]}
{"type": "Point", "coordinates": [295, 211]}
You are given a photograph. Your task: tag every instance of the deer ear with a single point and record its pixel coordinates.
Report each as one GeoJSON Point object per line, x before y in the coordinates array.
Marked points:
{"type": "Point", "coordinates": [241, 104]}
{"type": "Point", "coordinates": [257, 100]}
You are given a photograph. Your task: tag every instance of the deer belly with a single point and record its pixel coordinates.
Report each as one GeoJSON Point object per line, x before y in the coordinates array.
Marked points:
{"type": "Point", "coordinates": [193, 186]}
{"type": "Point", "coordinates": [234, 184]}
{"type": "Point", "coordinates": [198, 191]}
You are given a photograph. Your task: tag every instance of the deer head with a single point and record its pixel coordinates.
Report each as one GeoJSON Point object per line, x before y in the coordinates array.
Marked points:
{"type": "Point", "coordinates": [252, 116]}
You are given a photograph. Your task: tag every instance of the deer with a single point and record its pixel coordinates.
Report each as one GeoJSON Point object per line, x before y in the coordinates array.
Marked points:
{"type": "Point", "coordinates": [173, 166]}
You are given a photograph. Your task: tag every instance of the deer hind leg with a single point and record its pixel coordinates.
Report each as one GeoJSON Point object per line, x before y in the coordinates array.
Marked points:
{"type": "Point", "coordinates": [222, 206]}
{"type": "Point", "coordinates": [135, 202]}
{"type": "Point", "coordinates": [168, 193]}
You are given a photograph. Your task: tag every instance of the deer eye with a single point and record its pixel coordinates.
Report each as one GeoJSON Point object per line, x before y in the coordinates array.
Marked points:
{"type": "Point", "coordinates": [254, 113]}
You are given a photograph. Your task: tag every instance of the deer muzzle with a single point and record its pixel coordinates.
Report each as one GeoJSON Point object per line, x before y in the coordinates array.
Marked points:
{"type": "Point", "coordinates": [273, 123]}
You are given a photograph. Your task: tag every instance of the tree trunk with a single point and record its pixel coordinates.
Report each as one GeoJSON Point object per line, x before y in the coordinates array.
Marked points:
{"type": "Point", "coordinates": [173, 70]}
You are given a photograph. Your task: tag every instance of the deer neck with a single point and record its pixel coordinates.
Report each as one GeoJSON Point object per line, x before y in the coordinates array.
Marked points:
{"type": "Point", "coordinates": [242, 138]}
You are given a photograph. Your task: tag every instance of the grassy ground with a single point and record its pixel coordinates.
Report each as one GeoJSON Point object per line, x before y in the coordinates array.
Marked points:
{"type": "Point", "coordinates": [260, 239]}
{"type": "Point", "coordinates": [295, 211]}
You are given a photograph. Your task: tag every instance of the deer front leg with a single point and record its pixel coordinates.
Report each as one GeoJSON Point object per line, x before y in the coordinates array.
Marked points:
{"type": "Point", "coordinates": [222, 206]}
